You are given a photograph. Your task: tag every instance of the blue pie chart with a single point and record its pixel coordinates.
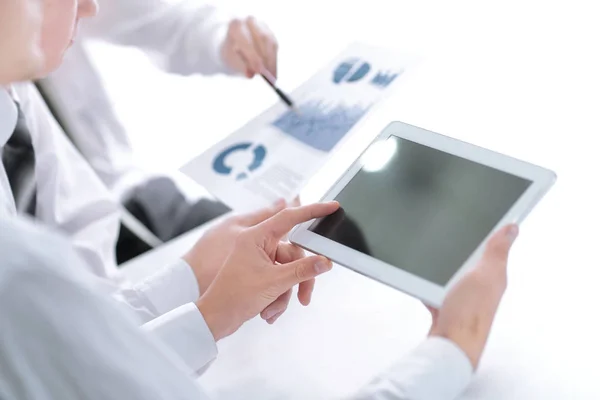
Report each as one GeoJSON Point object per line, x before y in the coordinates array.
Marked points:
{"type": "Point", "coordinates": [351, 71]}
{"type": "Point", "coordinates": [220, 165]}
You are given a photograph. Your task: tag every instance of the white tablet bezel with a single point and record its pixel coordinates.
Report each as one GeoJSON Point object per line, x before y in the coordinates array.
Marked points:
{"type": "Point", "coordinates": [431, 293]}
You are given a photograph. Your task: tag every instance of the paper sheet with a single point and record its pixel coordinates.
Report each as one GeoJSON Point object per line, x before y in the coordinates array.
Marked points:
{"type": "Point", "coordinates": [275, 154]}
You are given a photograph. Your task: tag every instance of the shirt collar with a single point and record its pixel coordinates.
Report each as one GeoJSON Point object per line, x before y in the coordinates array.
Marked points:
{"type": "Point", "coordinates": [8, 116]}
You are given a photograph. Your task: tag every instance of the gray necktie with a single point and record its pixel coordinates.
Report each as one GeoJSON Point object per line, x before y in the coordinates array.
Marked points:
{"type": "Point", "coordinates": [19, 162]}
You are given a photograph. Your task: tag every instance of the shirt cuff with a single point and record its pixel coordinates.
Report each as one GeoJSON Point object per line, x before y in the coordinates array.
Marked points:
{"type": "Point", "coordinates": [217, 40]}
{"type": "Point", "coordinates": [170, 287]}
{"type": "Point", "coordinates": [185, 332]}
{"type": "Point", "coordinates": [436, 370]}
{"type": "Point", "coordinates": [212, 24]}
{"type": "Point", "coordinates": [441, 361]}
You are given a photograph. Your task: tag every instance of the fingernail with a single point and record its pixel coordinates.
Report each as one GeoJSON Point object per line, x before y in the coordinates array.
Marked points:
{"type": "Point", "coordinates": [271, 313]}
{"type": "Point", "coordinates": [322, 266]}
{"type": "Point", "coordinates": [272, 320]}
{"type": "Point", "coordinates": [512, 233]}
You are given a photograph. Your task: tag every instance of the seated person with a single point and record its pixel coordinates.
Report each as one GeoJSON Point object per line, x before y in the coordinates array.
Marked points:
{"type": "Point", "coordinates": [56, 342]}
{"type": "Point", "coordinates": [69, 197]}
{"type": "Point", "coordinates": [191, 37]}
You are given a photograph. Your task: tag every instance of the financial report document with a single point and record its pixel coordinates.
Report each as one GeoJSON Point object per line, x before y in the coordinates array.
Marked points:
{"type": "Point", "coordinates": [274, 155]}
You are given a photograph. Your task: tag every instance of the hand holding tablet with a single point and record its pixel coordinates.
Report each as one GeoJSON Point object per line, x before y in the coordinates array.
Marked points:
{"type": "Point", "coordinates": [468, 311]}
{"type": "Point", "coordinates": [418, 207]}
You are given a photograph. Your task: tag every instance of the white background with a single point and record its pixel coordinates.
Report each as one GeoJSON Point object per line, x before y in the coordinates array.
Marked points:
{"type": "Point", "coordinates": [519, 77]}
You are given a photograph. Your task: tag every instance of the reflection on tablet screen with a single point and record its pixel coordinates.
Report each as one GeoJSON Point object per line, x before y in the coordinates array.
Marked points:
{"type": "Point", "coordinates": [423, 210]}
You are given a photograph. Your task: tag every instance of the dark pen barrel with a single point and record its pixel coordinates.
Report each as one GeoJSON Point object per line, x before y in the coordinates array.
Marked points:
{"type": "Point", "coordinates": [284, 97]}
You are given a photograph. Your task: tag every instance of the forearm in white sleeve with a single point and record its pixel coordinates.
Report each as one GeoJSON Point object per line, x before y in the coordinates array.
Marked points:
{"type": "Point", "coordinates": [186, 333]}
{"type": "Point", "coordinates": [436, 370]}
{"type": "Point", "coordinates": [63, 339]}
{"type": "Point", "coordinates": [164, 302]}
{"type": "Point", "coordinates": [165, 290]}
{"type": "Point", "coordinates": [187, 33]}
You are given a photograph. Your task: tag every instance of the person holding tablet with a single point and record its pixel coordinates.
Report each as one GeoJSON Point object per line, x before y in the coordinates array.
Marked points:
{"type": "Point", "coordinates": [42, 281]}
{"type": "Point", "coordinates": [56, 342]}
{"type": "Point", "coordinates": [74, 352]}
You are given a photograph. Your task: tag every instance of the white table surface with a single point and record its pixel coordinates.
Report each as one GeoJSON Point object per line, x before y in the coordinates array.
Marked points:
{"type": "Point", "coordinates": [516, 77]}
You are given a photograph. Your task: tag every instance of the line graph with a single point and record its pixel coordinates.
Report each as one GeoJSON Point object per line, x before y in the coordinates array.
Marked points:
{"type": "Point", "coordinates": [320, 125]}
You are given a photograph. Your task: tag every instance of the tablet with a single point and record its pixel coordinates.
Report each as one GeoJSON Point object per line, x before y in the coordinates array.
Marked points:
{"type": "Point", "coordinates": [417, 207]}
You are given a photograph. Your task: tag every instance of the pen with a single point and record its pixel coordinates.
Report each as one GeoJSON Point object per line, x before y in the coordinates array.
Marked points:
{"type": "Point", "coordinates": [270, 79]}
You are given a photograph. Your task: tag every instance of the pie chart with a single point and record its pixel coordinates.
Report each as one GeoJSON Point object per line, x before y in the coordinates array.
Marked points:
{"type": "Point", "coordinates": [256, 153]}
{"type": "Point", "coordinates": [351, 70]}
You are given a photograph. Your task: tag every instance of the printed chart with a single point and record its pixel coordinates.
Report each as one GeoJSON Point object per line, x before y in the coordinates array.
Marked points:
{"type": "Point", "coordinates": [351, 70]}
{"type": "Point", "coordinates": [277, 153]}
{"type": "Point", "coordinates": [320, 125]}
{"type": "Point", "coordinates": [222, 167]}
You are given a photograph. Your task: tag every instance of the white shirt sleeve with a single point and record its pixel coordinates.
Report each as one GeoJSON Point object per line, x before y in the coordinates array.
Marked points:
{"type": "Point", "coordinates": [62, 339]}
{"type": "Point", "coordinates": [186, 333]}
{"type": "Point", "coordinates": [186, 33]}
{"type": "Point", "coordinates": [436, 370]}
{"type": "Point", "coordinates": [165, 303]}
{"type": "Point", "coordinates": [165, 290]}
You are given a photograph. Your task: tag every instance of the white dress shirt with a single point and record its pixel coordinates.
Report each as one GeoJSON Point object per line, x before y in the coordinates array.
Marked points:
{"type": "Point", "coordinates": [186, 35]}
{"type": "Point", "coordinates": [61, 338]}
{"type": "Point", "coordinates": [56, 341]}
{"type": "Point", "coordinates": [8, 122]}
{"type": "Point", "coordinates": [71, 199]}
{"type": "Point", "coordinates": [69, 195]}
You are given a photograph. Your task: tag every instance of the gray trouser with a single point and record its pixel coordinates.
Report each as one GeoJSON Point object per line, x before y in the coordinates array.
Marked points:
{"type": "Point", "coordinates": [164, 210]}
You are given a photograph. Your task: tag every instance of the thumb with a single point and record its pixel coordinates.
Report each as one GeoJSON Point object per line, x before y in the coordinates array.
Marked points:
{"type": "Point", "coordinates": [304, 269]}
{"type": "Point", "coordinates": [498, 247]}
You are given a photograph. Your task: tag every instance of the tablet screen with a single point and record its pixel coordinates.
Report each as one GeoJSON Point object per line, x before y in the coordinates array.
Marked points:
{"type": "Point", "coordinates": [420, 209]}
